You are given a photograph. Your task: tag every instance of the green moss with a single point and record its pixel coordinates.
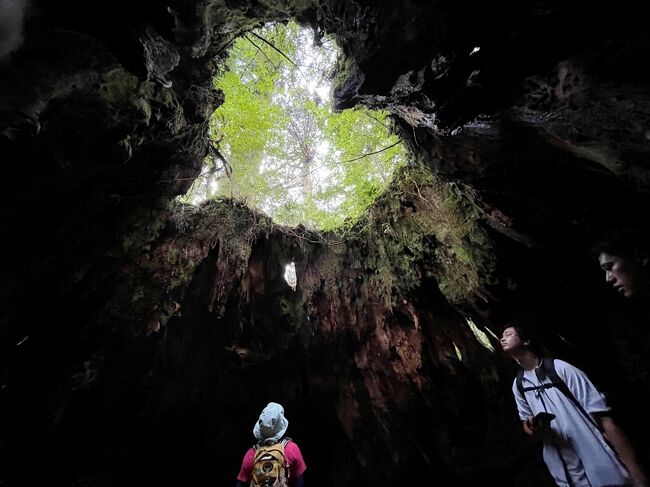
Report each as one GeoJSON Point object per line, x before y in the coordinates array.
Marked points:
{"type": "Point", "coordinates": [143, 235]}
{"type": "Point", "coordinates": [126, 97]}
{"type": "Point", "coordinates": [461, 254]}
{"type": "Point", "coordinates": [144, 106]}
{"type": "Point", "coordinates": [346, 69]}
{"type": "Point", "coordinates": [118, 86]}
{"type": "Point", "coordinates": [423, 224]}
{"type": "Point", "coordinates": [173, 256]}
{"type": "Point", "coordinates": [421, 227]}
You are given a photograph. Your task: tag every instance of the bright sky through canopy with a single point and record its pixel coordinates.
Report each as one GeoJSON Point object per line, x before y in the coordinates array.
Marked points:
{"type": "Point", "coordinates": [291, 156]}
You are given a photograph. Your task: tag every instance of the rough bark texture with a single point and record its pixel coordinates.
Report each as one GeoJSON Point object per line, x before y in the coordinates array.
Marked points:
{"type": "Point", "coordinates": [140, 338]}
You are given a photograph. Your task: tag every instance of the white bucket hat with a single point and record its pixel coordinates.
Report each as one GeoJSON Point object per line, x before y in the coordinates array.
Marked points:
{"type": "Point", "coordinates": [272, 424]}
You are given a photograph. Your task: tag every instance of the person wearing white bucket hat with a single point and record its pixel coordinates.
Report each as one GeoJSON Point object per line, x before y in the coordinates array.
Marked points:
{"type": "Point", "coordinates": [269, 430]}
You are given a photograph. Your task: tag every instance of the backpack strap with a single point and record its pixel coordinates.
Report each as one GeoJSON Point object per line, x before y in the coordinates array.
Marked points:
{"type": "Point", "coordinates": [284, 442]}
{"type": "Point", "coordinates": [542, 385]}
{"type": "Point", "coordinates": [519, 380]}
{"type": "Point", "coordinates": [547, 371]}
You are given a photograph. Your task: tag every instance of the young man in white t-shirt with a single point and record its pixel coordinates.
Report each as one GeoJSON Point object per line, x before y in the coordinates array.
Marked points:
{"type": "Point", "coordinates": [583, 447]}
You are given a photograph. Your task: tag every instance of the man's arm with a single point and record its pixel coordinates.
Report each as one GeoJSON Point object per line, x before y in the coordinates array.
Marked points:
{"type": "Point", "coordinates": [529, 427]}
{"type": "Point", "coordinates": [524, 411]}
{"type": "Point", "coordinates": [244, 476]}
{"type": "Point", "coordinates": [594, 403]}
{"type": "Point", "coordinates": [623, 449]}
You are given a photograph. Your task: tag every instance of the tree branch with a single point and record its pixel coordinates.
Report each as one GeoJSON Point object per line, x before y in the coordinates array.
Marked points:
{"type": "Point", "coordinates": [260, 50]}
{"type": "Point", "coordinates": [371, 153]}
{"type": "Point", "coordinates": [272, 46]}
{"type": "Point", "coordinates": [375, 119]}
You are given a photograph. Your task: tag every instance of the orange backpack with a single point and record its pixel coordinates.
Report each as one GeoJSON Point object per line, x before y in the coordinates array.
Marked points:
{"type": "Point", "coordinates": [270, 465]}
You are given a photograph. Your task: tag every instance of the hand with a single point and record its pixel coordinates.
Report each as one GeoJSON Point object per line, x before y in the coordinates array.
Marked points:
{"type": "Point", "coordinates": [542, 432]}
{"type": "Point", "coordinates": [529, 427]}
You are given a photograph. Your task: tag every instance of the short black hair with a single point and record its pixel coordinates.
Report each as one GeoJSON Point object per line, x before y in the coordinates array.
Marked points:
{"type": "Point", "coordinates": [527, 335]}
{"type": "Point", "coordinates": [624, 242]}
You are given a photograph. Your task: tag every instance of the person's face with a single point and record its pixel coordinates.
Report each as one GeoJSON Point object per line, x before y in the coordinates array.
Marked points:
{"type": "Point", "coordinates": [510, 341]}
{"type": "Point", "coordinates": [626, 275]}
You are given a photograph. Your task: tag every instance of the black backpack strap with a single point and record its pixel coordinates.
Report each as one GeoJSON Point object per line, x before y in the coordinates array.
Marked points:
{"type": "Point", "coordinates": [547, 370]}
{"type": "Point", "coordinates": [520, 383]}
{"type": "Point", "coordinates": [519, 380]}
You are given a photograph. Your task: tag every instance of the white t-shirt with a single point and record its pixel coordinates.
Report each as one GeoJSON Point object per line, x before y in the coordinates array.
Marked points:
{"type": "Point", "coordinates": [589, 459]}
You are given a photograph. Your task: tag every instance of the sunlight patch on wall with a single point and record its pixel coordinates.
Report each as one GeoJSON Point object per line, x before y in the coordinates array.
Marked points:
{"type": "Point", "coordinates": [480, 335]}
{"type": "Point", "coordinates": [290, 275]}
{"type": "Point", "coordinates": [457, 350]}
{"type": "Point", "coordinates": [492, 333]}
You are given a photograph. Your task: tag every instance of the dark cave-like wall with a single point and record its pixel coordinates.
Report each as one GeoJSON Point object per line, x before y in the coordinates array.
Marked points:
{"type": "Point", "coordinates": [140, 337]}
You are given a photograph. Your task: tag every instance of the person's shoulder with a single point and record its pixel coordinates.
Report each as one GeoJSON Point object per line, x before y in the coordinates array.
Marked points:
{"type": "Point", "coordinates": [291, 446]}
{"type": "Point", "coordinates": [562, 364]}
{"type": "Point", "coordinates": [514, 384]}
{"type": "Point", "coordinates": [565, 368]}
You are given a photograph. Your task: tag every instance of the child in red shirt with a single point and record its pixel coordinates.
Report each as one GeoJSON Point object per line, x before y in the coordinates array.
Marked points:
{"type": "Point", "coordinates": [269, 429]}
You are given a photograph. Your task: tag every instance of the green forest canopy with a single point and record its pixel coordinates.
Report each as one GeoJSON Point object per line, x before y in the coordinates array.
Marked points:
{"type": "Point", "coordinates": [288, 154]}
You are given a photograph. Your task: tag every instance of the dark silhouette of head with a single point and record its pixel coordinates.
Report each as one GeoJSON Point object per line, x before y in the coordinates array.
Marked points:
{"type": "Point", "coordinates": [526, 338]}
{"type": "Point", "coordinates": [624, 256]}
